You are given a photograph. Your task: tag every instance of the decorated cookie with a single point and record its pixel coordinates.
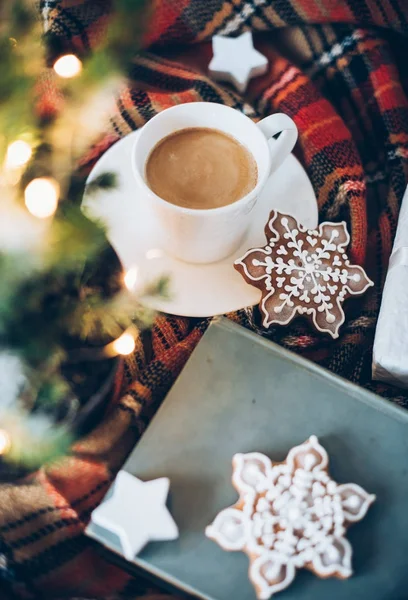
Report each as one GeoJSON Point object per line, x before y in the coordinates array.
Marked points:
{"type": "Point", "coordinates": [303, 271]}
{"type": "Point", "coordinates": [290, 515]}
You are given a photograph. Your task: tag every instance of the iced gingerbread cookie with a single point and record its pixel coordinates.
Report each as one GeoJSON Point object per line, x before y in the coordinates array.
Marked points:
{"type": "Point", "coordinates": [290, 515]}
{"type": "Point", "coordinates": [303, 271]}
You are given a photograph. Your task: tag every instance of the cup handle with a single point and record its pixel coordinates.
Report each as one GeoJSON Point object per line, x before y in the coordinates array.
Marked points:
{"type": "Point", "coordinates": [280, 148]}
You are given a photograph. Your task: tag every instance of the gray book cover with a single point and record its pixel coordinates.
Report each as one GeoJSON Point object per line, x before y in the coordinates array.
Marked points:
{"type": "Point", "coordinates": [241, 393]}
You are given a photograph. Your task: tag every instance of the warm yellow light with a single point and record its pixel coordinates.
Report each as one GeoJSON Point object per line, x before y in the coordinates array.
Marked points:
{"type": "Point", "coordinates": [5, 442]}
{"type": "Point", "coordinates": [125, 344]}
{"type": "Point", "coordinates": [41, 197]}
{"type": "Point", "coordinates": [18, 154]}
{"type": "Point", "coordinates": [130, 278]}
{"type": "Point", "coordinates": [68, 66]}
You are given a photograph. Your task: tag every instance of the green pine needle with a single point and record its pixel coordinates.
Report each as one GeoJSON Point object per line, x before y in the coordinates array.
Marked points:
{"type": "Point", "coordinates": [47, 295]}
{"type": "Point", "coordinates": [104, 181]}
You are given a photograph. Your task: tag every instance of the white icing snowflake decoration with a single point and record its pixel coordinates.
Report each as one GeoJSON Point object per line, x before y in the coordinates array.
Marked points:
{"type": "Point", "coordinates": [303, 271]}
{"type": "Point", "coordinates": [290, 515]}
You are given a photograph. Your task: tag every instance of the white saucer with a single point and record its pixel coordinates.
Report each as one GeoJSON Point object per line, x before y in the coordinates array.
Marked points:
{"type": "Point", "coordinates": [195, 290]}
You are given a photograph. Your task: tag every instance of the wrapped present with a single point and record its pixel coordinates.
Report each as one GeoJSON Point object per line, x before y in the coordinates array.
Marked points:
{"type": "Point", "coordinates": [391, 337]}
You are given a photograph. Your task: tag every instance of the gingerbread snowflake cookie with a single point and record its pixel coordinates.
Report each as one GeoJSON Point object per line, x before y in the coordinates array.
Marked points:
{"type": "Point", "coordinates": [303, 271]}
{"type": "Point", "coordinates": [290, 515]}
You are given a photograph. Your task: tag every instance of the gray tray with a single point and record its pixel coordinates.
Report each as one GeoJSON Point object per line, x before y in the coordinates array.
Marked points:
{"type": "Point", "coordinates": [240, 393]}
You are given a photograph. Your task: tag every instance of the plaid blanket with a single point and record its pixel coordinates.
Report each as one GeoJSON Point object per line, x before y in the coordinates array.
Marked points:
{"type": "Point", "coordinates": [339, 69]}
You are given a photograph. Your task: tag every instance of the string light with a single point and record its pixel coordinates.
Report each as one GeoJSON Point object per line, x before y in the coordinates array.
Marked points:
{"type": "Point", "coordinates": [124, 345]}
{"type": "Point", "coordinates": [41, 197]}
{"type": "Point", "coordinates": [68, 66]}
{"type": "Point", "coordinates": [130, 278]}
{"type": "Point", "coordinates": [18, 154]}
{"type": "Point", "coordinates": [5, 442]}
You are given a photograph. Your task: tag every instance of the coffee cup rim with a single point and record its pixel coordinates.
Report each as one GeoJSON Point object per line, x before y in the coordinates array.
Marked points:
{"type": "Point", "coordinates": [185, 210]}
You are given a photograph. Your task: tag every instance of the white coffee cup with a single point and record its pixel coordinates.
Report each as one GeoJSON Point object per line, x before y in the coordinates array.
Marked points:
{"type": "Point", "coordinates": [209, 235]}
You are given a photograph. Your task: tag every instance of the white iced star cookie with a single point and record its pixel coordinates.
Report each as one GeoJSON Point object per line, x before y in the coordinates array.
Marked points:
{"type": "Point", "coordinates": [136, 512]}
{"type": "Point", "coordinates": [290, 515]}
{"type": "Point", "coordinates": [236, 60]}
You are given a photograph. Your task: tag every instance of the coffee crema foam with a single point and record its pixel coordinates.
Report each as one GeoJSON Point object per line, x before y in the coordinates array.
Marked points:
{"type": "Point", "coordinates": [201, 168]}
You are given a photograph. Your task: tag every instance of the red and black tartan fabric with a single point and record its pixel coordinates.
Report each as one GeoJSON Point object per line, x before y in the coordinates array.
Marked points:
{"type": "Point", "coordinates": [340, 70]}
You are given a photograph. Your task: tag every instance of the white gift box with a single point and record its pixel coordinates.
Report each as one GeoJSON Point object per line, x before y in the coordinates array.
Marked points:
{"type": "Point", "coordinates": [390, 353]}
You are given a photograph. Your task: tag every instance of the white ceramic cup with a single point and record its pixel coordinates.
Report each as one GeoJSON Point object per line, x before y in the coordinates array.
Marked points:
{"type": "Point", "coordinates": [209, 235]}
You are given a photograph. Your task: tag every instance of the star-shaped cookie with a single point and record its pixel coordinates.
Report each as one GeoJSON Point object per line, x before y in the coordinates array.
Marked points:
{"type": "Point", "coordinates": [136, 512]}
{"type": "Point", "coordinates": [303, 271]}
{"type": "Point", "coordinates": [236, 60]}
